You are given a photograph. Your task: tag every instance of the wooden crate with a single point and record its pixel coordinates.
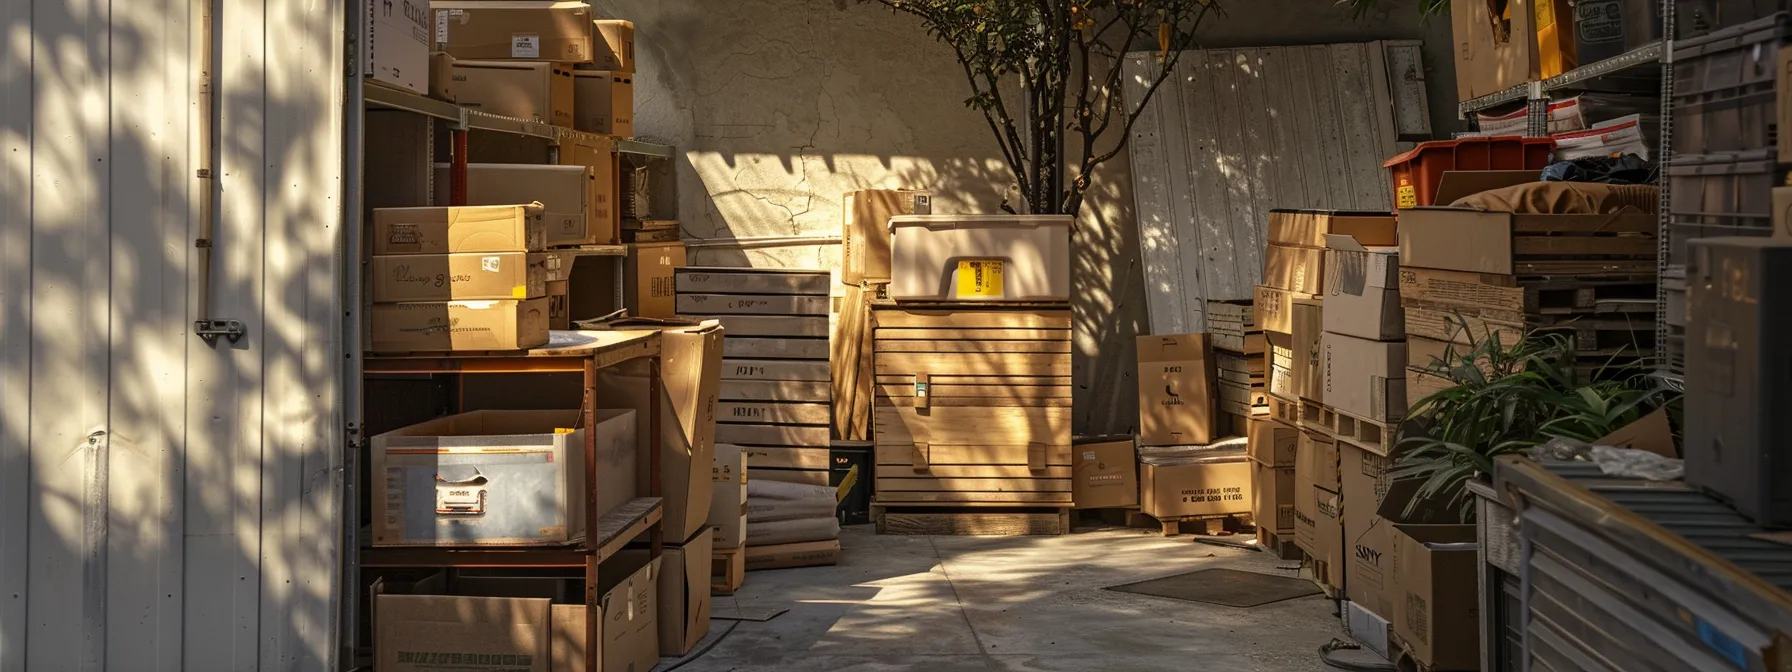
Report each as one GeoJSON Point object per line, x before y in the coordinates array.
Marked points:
{"type": "Point", "coordinates": [971, 405]}
{"type": "Point", "coordinates": [727, 571]}
{"type": "Point", "coordinates": [970, 521]}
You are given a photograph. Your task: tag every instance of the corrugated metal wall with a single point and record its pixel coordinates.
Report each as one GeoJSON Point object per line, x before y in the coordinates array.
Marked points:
{"type": "Point", "coordinates": [1235, 133]}
{"type": "Point", "coordinates": [164, 504]}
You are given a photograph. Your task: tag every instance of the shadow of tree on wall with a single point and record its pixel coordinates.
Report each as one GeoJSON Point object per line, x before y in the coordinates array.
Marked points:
{"type": "Point", "coordinates": [163, 504]}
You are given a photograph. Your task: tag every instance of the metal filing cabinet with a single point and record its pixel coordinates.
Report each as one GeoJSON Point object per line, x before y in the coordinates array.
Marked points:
{"type": "Point", "coordinates": [1739, 374]}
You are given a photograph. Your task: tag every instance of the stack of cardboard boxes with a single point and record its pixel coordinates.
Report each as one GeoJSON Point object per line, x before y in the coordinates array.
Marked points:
{"type": "Point", "coordinates": [1239, 356]}
{"type": "Point", "coordinates": [445, 279]}
{"type": "Point", "coordinates": [775, 396]}
{"type": "Point", "coordinates": [1186, 471]}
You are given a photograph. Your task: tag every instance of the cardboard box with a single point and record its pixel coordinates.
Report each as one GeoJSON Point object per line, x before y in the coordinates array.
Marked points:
{"type": "Point", "coordinates": [1316, 459]}
{"type": "Point", "coordinates": [649, 292]}
{"type": "Point", "coordinates": [604, 102]}
{"type": "Point", "coordinates": [615, 46]}
{"type": "Point", "coordinates": [628, 628]}
{"type": "Point", "coordinates": [521, 30]}
{"type": "Point", "coordinates": [492, 228]}
{"type": "Point", "coordinates": [1106, 474]}
{"type": "Point", "coordinates": [1297, 269]}
{"type": "Point", "coordinates": [1195, 482]}
{"type": "Point", "coordinates": [865, 234]}
{"type": "Point", "coordinates": [441, 76]}
{"type": "Point", "coordinates": [515, 477]}
{"type": "Point", "coordinates": [1329, 535]}
{"type": "Point", "coordinates": [420, 633]}
{"type": "Point", "coordinates": [1272, 497]}
{"type": "Point", "coordinates": [1176, 385]}
{"type": "Point", "coordinates": [458, 326]}
{"type": "Point", "coordinates": [684, 594]}
{"type": "Point", "coordinates": [784, 556]}
{"type": "Point", "coordinates": [961, 257]}
{"type": "Point", "coordinates": [1308, 228]}
{"type": "Point", "coordinates": [1364, 477]}
{"type": "Point", "coordinates": [1309, 363]}
{"type": "Point", "coordinates": [1281, 366]}
{"type": "Point", "coordinates": [531, 90]}
{"type": "Point", "coordinates": [568, 195]}
{"type": "Point", "coordinates": [1493, 53]}
{"type": "Point", "coordinates": [1366, 378]}
{"type": "Point", "coordinates": [1306, 512]}
{"type": "Point", "coordinates": [395, 44]}
{"type": "Point", "coordinates": [1437, 613]}
{"type": "Point", "coordinates": [728, 503]}
{"type": "Point", "coordinates": [691, 368]}
{"type": "Point", "coordinates": [1273, 443]}
{"type": "Point", "coordinates": [1461, 239]}
{"type": "Point", "coordinates": [492, 276]}
{"type": "Point", "coordinates": [1650, 433]}
{"type": "Point", "coordinates": [1275, 309]}
{"type": "Point", "coordinates": [1363, 290]}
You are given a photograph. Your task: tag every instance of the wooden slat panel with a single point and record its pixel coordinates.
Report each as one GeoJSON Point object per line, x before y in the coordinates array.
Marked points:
{"type": "Point", "coordinates": [1004, 381]}
{"type": "Point", "coordinates": [769, 325]}
{"type": "Point", "coordinates": [888, 334]}
{"type": "Point", "coordinates": [785, 457]}
{"type": "Point", "coordinates": [885, 317]}
{"type": "Point", "coordinates": [974, 498]}
{"type": "Point", "coordinates": [774, 390]}
{"type": "Point", "coordinates": [775, 369]}
{"type": "Point", "coordinates": [911, 363]}
{"type": "Point", "coordinates": [1011, 392]}
{"type": "Point", "coordinates": [775, 348]}
{"type": "Point", "coordinates": [894, 485]}
{"type": "Point", "coordinates": [751, 304]}
{"type": "Point", "coordinates": [991, 346]}
{"type": "Point", "coordinates": [939, 455]}
{"type": "Point", "coordinates": [977, 401]}
{"type": "Point", "coordinates": [969, 426]}
{"type": "Point", "coordinates": [789, 476]}
{"type": "Point", "coordinates": [972, 471]}
{"type": "Point", "coordinates": [1627, 246]}
{"type": "Point", "coordinates": [772, 435]}
{"type": "Point", "coordinates": [706, 280]}
{"type": "Point", "coordinates": [761, 412]}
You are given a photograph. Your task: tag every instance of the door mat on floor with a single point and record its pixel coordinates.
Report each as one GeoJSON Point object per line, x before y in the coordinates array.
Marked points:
{"type": "Point", "coordinates": [1228, 587]}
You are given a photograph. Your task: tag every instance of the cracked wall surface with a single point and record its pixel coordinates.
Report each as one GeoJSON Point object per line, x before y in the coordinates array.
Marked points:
{"type": "Point", "coordinates": [779, 107]}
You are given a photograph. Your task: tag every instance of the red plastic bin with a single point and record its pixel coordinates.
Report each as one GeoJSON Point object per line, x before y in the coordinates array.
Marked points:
{"type": "Point", "coordinates": [1415, 174]}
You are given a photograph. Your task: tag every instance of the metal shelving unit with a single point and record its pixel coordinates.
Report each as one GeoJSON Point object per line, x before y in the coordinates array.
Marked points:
{"type": "Point", "coordinates": [460, 118]}
{"type": "Point", "coordinates": [1536, 94]}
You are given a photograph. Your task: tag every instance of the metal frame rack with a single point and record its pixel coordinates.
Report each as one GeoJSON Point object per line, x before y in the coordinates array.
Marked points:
{"type": "Point", "coordinates": [593, 351]}
{"type": "Point", "coordinates": [1536, 96]}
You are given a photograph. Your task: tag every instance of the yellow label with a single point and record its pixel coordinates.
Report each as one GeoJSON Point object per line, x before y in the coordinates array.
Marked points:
{"type": "Point", "coordinates": [1406, 196]}
{"type": "Point", "coordinates": [520, 292]}
{"type": "Point", "coordinates": [564, 430]}
{"type": "Point", "coordinates": [980, 279]}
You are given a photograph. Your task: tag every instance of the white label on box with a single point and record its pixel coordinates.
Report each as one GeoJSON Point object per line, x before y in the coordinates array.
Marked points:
{"type": "Point", "coordinates": [1089, 456]}
{"type": "Point", "coordinates": [525, 46]}
{"type": "Point", "coordinates": [442, 26]}
{"type": "Point", "coordinates": [490, 264]}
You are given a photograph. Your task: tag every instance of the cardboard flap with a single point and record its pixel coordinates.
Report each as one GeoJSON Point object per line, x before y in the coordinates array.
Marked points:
{"type": "Point", "coordinates": [1456, 184]}
{"type": "Point", "coordinates": [1650, 433]}
{"type": "Point", "coordinates": [1339, 241]}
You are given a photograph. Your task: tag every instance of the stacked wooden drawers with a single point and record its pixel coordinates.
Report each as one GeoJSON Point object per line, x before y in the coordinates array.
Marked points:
{"type": "Point", "coordinates": [972, 406]}
{"type": "Point", "coordinates": [775, 400]}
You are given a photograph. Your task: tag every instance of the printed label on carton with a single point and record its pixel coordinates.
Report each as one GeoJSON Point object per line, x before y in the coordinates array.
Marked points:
{"type": "Point", "coordinates": [525, 46]}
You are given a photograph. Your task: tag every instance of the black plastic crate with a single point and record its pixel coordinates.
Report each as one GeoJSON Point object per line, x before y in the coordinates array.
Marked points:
{"type": "Point", "coordinates": [1726, 189]}
{"type": "Point", "coordinates": [1679, 233]}
{"type": "Point", "coordinates": [846, 458]}
{"type": "Point", "coordinates": [1693, 18]}
{"type": "Point", "coordinates": [1724, 98]}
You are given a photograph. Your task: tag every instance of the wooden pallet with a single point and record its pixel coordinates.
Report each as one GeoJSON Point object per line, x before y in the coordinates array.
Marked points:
{"type": "Point", "coordinates": [1279, 545]}
{"type": "Point", "coordinates": [1226, 523]}
{"type": "Point", "coordinates": [1319, 568]}
{"type": "Point", "coordinates": [1315, 416]}
{"type": "Point", "coordinates": [961, 520]}
{"type": "Point", "coordinates": [1288, 412]}
{"type": "Point", "coordinates": [727, 571]}
{"type": "Point", "coordinates": [1375, 437]}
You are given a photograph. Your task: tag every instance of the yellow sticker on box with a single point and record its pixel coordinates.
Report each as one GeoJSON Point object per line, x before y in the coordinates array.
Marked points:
{"type": "Point", "coordinates": [519, 292]}
{"type": "Point", "coordinates": [1406, 196]}
{"type": "Point", "coordinates": [980, 279]}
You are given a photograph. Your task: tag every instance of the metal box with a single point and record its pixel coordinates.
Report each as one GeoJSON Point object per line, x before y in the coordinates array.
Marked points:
{"type": "Point", "coordinates": [498, 478]}
{"type": "Point", "coordinates": [1738, 387]}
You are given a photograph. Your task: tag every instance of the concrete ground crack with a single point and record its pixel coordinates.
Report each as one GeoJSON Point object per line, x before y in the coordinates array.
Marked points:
{"type": "Point", "coordinates": [989, 661]}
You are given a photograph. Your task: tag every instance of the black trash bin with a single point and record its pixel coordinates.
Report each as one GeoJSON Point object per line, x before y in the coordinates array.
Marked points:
{"type": "Point", "coordinates": [852, 459]}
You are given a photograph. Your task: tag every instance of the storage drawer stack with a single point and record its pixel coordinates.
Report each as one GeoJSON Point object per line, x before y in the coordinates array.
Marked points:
{"type": "Point", "coordinates": [1725, 176]}
{"type": "Point", "coordinates": [1590, 277]}
{"type": "Point", "coordinates": [972, 410]}
{"type": "Point", "coordinates": [1239, 354]}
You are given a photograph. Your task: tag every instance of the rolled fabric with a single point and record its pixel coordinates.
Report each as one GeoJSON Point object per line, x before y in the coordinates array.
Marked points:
{"type": "Point", "coordinates": [792, 531]}
{"type": "Point", "coordinates": [762, 510]}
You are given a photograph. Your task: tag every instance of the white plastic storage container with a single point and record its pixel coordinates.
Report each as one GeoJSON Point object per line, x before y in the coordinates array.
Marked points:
{"type": "Point", "coordinates": [980, 257]}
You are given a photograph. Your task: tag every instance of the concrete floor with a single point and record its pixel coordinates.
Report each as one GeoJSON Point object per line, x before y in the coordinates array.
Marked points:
{"type": "Point", "coordinates": [945, 604]}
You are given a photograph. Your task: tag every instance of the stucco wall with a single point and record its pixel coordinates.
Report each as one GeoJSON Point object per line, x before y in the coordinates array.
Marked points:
{"type": "Point", "coordinates": [780, 106]}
